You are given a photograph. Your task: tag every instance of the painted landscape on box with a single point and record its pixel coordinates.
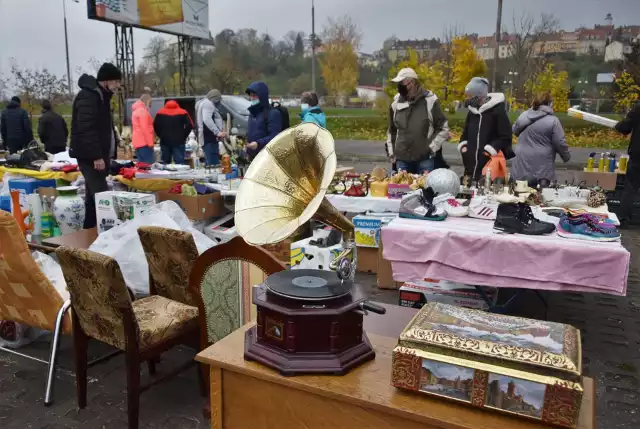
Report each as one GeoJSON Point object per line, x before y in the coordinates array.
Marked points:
{"type": "Point", "coordinates": [448, 380]}
{"type": "Point", "coordinates": [515, 395]}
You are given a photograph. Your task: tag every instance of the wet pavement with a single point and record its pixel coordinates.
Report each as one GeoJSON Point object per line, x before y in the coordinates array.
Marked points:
{"type": "Point", "coordinates": [610, 329]}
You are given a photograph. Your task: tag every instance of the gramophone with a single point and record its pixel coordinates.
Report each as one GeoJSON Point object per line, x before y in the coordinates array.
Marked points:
{"type": "Point", "coordinates": [308, 321]}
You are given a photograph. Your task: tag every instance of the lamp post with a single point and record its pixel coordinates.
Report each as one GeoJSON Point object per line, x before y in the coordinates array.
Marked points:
{"type": "Point", "coordinates": [496, 54]}
{"type": "Point", "coordinates": [313, 45]}
{"type": "Point", "coordinates": [512, 75]}
{"type": "Point", "coordinates": [66, 46]}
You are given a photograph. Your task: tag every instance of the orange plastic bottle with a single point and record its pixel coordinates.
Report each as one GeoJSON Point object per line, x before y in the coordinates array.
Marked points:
{"type": "Point", "coordinates": [226, 164]}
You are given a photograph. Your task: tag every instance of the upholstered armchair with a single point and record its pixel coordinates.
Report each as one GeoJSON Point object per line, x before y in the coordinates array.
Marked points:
{"type": "Point", "coordinates": [170, 254]}
{"type": "Point", "coordinates": [103, 310]}
{"type": "Point", "coordinates": [27, 296]}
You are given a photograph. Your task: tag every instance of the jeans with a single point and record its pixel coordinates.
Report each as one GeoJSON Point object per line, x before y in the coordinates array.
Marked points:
{"type": "Point", "coordinates": [95, 182]}
{"type": "Point", "coordinates": [631, 186]}
{"type": "Point", "coordinates": [145, 154]}
{"type": "Point", "coordinates": [175, 152]}
{"type": "Point", "coordinates": [416, 167]}
{"type": "Point", "coordinates": [211, 153]}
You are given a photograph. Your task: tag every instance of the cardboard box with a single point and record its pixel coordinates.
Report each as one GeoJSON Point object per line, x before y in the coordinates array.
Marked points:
{"type": "Point", "coordinates": [305, 255]}
{"type": "Point", "coordinates": [396, 191]}
{"type": "Point", "coordinates": [220, 234]}
{"type": "Point", "coordinates": [367, 260]}
{"type": "Point", "coordinates": [605, 180]}
{"type": "Point", "coordinates": [199, 207]}
{"type": "Point", "coordinates": [418, 293]}
{"type": "Point", "coordinates": [113, 208]}
{"type": "Point", "coordinates": [385, 273]}
{"type": "Point", "coordinates": [29, 186]}
{"type": "Point", "coordinates": [367, 229]}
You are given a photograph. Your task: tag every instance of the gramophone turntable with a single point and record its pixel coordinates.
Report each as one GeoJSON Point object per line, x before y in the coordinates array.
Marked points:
{"type": "Point", "coordinates": [308, 321]}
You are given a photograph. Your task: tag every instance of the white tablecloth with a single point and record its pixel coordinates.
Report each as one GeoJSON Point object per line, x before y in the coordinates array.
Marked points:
{"type": "Point", "coordinates": [364, 204]}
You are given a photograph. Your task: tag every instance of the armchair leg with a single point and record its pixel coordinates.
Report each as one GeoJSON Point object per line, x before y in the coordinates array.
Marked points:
{"type": "Point", "coordinates": [151, 363]}
{"type": "Point", "coordinates": [133, 387]}
{"type": "Point", "coordinates": [55, 345]}
{"type": "Point", "coordinates": [80, 346]}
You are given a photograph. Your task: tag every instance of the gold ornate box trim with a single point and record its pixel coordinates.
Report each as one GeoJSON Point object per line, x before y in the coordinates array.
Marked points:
{"type": "Point", "coordinates": [474, 335]}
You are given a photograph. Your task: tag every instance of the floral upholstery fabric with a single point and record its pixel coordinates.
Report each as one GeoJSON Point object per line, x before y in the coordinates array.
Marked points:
{"type": "Point", "coordinates": [171, 255]}
{"type": "Point", "coordinates": [226, 290]}
{"type": "Point", "coordinates": [160, 319]}
{"type": "Point", "coordinates": [26, 295]}
{"type": "Point", "coordinates": [99, 295]}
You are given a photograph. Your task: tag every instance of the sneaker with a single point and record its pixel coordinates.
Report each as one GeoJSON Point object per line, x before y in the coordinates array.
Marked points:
{"type": "Point", "coordinates": [603, 221]}
{"type": "Point", "coordinates": [419, 205]}
{"type": "Point", "coordinates": [514, 219]}
{"type": "Point", "coordinates": [481, 207]}
{"type": "Point", "coordinates": [449, 204]}
{"type": "Point", "coordinates": [527, 213]}
{"type": "Point", "coordinates": [584, 229]}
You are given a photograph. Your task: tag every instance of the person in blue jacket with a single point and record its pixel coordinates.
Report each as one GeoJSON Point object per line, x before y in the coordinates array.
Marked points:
{"type": "Point", "coordinates": [265, 122]}
{"type": "Point", "coordinates": [311, 111]}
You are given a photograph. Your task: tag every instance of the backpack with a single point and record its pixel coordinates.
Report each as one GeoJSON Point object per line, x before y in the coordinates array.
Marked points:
{"type": "Point", "coordinates": [284, 114]}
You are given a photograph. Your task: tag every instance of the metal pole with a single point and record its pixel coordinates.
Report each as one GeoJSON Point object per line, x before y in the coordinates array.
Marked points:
{"type": "Point", "coordinates": [313, 45]}
{"type": "Point", "coordinates": [66, 47]}
{"type": "Point", "coordinates": [496, 54]}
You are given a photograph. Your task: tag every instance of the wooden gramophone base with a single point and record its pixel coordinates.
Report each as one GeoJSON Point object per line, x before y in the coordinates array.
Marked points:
{"type": "Point", "coordinates": [290, 364]}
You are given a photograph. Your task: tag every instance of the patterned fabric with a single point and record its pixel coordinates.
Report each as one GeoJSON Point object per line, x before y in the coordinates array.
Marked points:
{"type": "Point", "coordinates": [26, 295]}
{"type": "Point", "coordinates": [160, 319]}
{"type": "Point", "coordinates": [226, 290]}
{"type": "Point", "coordinates": [171, 255]}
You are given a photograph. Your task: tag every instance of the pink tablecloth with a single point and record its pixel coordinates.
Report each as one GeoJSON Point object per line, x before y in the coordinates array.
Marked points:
{"type": "Point", "coordinates": [467, 251]}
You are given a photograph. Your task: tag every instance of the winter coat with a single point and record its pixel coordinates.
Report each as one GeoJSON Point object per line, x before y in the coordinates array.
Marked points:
{"type": "Point", "coordinates": [141, 126]}
{"type": "Point", "coordinates": [53, 131]}
{"type": "Point", "coordinates": [314, 115]}
{"type": "Point", "coordinates": [631, 125]}
{"type": "Point", "coordinates": [15, 127]}
{"type": "Point", "coordinates": [172, 124]}
{"type": "Point", "coordinates": [417, 128]}
{"type": "Point", "coordinates": [540, 138]}
{"type": "Point", "coordinates": [487, 131]}
{"type": "Point", "coordinates": [92, 131]}
{"type": "Point", "coordinates": [262, 130]}
{"type": "Point", "coordinates": [210, 122]}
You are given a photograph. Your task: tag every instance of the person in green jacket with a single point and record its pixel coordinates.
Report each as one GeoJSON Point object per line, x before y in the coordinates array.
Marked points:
{"type": "Point", "coordinates": [311, 111]}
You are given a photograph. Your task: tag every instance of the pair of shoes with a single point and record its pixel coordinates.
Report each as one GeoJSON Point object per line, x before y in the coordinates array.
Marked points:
{"type": "Point", "coordinates": [585, 227]}
{"type": "Point", "coordinates": [483, 207]}
{"type": "Point", "coordinates": [419, 205]}
{"type": "Point", "coordinates": [519, 219]}
{"type": "Point", "coordinates": [449, 204]}
{"type": "Point", "coordinates": [602, 220]}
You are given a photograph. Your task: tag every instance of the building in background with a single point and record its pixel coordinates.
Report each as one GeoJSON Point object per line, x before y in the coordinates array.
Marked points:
{"type": "Point", "coordinates": [369, 93]}
{"type": "Point", "coordinates": [426, 49]}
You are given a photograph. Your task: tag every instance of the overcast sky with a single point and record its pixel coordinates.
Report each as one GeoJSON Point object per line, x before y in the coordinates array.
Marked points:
{"type": "Point", "coordinates": [31, 31]}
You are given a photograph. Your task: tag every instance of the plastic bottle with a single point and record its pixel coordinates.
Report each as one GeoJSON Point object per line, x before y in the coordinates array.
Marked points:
{"type": "Point", "coordinates": [624, 163]}
{"type": "Point", "coordinates": [226, 164]}
{"type": "Point", "coordinates": [601, 162]}
{"type": "Point", "coordinates": [612, 163]}
{"type": "Point", "coordinates": [591, 161]}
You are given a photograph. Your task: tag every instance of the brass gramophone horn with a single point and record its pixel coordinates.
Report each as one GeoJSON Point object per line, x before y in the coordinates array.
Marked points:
{"type": "Point", "coordinates": [285, 187]}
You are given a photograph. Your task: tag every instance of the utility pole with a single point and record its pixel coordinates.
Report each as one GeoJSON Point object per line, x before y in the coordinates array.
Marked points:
{"type": "Point", "coordinates": [496, 54]}
{"type": "Point", "coordinates": [66, 47]}
{"type": "Point", "coordinates": [313, 45]}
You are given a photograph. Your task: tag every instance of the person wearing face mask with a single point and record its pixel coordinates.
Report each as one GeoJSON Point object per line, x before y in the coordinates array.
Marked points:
{"type": "Point", "coordinates": [265, 121]}
{"type": "Point", "coordinates": [311, 111]}
{"type": "Point", "coordinates": [93, 136]}
{"type": "Point", "coordinates": [487, 129]}
{"type": "Point", "coordinates": [540, 139]}
{"type": "Point", "coordinates": [417, 126]}
{"type": "Point", "coordinates": [210, 126]}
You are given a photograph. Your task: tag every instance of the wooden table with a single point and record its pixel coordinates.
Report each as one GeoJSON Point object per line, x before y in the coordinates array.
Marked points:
{"type": "Point", "coordinates": [249, 395]}
{"type": "Point", "coordinates": [78, 240]}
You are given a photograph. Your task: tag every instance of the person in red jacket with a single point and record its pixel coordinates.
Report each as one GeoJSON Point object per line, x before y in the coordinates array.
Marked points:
{"type": "Point", "coordinates": [172, 125]}
{"type": "Point", "coordinates": [142, 129]}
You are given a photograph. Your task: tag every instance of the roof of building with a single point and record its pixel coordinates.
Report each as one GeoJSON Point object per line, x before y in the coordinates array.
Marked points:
{"type": "Point", "coordinates": [605, 78]}
{"type": "Point", "coordinates": [417, 44]}
{"type": "Point", "coordinates": [375, 88]}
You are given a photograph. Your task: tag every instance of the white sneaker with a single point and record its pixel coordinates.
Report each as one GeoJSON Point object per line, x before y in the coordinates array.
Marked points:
{"type": "Point", "coordinates": [448, 203]}
{"type": "Point", "coordinates": [482, 207]}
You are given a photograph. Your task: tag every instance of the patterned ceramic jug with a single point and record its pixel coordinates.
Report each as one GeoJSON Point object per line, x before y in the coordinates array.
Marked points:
{"type": "Point", "coordinates": [68, 210]}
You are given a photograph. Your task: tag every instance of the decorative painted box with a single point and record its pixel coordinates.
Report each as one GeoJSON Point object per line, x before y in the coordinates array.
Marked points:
{"type": "Point", "coordinates": [520, 366]}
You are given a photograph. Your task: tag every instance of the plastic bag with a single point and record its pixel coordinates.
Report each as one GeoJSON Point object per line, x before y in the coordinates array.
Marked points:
{"type": "Point", "coordinates": [123, 244]}
{"type": "Point", "coordinates": [498, 166]}
{"type": "Point", "coordinates": [51, 268]}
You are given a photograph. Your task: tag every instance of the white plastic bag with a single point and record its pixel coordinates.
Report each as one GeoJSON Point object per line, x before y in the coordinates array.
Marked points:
{"type": "Point", "coordinates": [123, 244]}
{"type": "Point", "coordinates": [51, 268]}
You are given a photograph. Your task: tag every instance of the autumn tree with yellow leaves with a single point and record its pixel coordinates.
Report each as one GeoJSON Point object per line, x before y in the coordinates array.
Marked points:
{"type": "Point", "coordinates": [339, 61]}
{"type": "Point", "coordinates": [552, 81]}
{"type": "Point", "coordinates": [627, 92]}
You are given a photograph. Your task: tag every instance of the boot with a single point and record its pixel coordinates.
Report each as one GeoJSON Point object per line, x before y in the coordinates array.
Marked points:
{"type": "Point", "coordinates": [514, 219]}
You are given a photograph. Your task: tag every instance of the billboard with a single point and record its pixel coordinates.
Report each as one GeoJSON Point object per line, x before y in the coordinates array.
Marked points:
{"type": "Point", "coordinates": [180, 17]}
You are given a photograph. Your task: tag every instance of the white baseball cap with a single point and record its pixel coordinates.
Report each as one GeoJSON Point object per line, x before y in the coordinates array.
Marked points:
{"type": "Point", "coordinates": [405, 74]}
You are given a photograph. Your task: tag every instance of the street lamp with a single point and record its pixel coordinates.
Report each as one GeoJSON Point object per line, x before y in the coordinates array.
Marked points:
{"type": "Point", "coordinates": [313, 45]}
{"type": "Point", "coordinates": [66, 46]}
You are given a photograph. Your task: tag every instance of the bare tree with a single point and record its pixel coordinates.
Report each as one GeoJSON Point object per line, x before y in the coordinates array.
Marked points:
{"type": "Point", "coordinates": [35, 85]}
{"type": "Point", "coordinates": [342, 30]}
{"type": "Point", "coordinates": [449, 34]}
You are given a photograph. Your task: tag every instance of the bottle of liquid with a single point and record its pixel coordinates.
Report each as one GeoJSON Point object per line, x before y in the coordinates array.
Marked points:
{"type": "Point", "coordinates": [591, 161]}
{"type": "Point", "coordinates": [487, 182]}
{"type": "Point", "coordinates": [601, 162]}
{"type": "Point", "coordinates": [226, 164]}
{"type": "Point", "coordinates": [623, 164]}
{"type": "Point", "coordinates": [612, 163]}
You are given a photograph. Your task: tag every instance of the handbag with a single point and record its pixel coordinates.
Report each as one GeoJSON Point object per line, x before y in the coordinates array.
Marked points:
{"type": "Point", "coordinates": [32, 153]}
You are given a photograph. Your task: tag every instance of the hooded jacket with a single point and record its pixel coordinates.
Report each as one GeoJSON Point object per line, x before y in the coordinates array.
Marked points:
{"type": "Point", "coordinates": [540, 138]}
{"type": "Point", "coordinates": [172, 124]}
{"type": "Point", "coordinates": [141, 126]}
{"type": "Point", "coordinates": [487, 131]}
{"type": "Point", "coordinates": [262, 129]}
{"type": "Point", "coordinates": [15, 127]}
{"type": "Point", "coordinates": [631, 125]}
{"type": "Point", "coordinates": [92, 133]}
{"type": "Point", "coordinates": [417, 128]}
{"type": "Point", "coordinates": [53, 131]}
{"type": "Point", "coordinates": [209, 121]}
{"type": "Point", "coordinates": [314, 115]}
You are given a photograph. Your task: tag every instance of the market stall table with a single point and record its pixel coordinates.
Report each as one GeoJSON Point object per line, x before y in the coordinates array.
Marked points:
{"type": "Point", "coordinates": [82, 239]}
{"type": "Point", "coordinates": [42, 175]}
{"type": "Point", "coordinates": [362, 398]}
{"type": "Point", "coordinates": [364, 204]}
{"type": "Point", "coordinates": [466, 250]}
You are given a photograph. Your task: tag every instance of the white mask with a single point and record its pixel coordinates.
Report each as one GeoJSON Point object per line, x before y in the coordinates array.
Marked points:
{"type": "Point", "coordinates": [304, 106]}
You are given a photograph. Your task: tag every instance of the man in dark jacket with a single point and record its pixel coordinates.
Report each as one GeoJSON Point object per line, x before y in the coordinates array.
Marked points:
{"type": "Point", "coordinates": [52, 129]}
{"type": "Point", "coordinates": [631, 125]}
{"type": "Point", "coordinates": [172, 125]}
{"type": "Point", "coordinates": [264, 122]}
{"type": "Point", "coordinates": [417, 125]}
{"type": "Point", "coordinates": [15, 126]}
{"type": "Point", "coordinates": [93, 138]}
{"type": "Point", "coordinates": [487, 129]}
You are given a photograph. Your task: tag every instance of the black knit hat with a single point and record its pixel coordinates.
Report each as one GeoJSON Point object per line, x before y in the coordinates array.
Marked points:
{"type": "Point", "coordinates": [109, 72]}
{"type": "Point", "coordinates": [15, 99]}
